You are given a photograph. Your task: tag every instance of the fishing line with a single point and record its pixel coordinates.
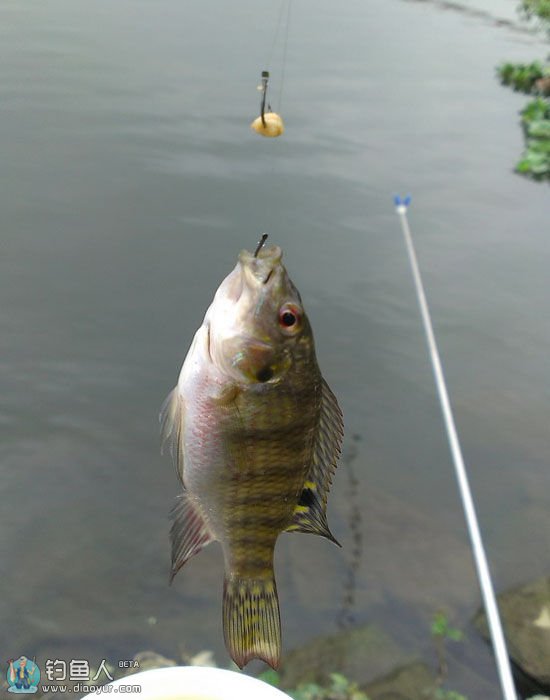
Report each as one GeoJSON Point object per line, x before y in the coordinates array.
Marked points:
{"type": "Point", "coordinates": [270, 123]}
{"type": "Point", "coordinates": [285, 49]}
{"type": "Point", "coordinates": [277, 29]}
{"type": "Point", "coordinates": [284, 11]}
{"type": "Point", "coordinates": [480, 558]}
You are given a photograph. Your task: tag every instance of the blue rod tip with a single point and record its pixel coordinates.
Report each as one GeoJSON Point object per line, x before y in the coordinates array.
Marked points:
{"type": "Point", "coordinates": [402, 201]}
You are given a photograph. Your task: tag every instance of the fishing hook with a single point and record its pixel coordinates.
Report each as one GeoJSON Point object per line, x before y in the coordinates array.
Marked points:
{"type": "Point", "coordinates": [260, 245]}
{"type": "Point", "coordinates": [265, 80]}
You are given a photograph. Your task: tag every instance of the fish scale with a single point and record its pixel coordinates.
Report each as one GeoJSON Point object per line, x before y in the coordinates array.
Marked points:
{"type": "Point", "coordinates": [255, 434]}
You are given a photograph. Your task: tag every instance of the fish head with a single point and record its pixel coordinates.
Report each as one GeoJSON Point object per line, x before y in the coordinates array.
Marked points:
{"type": "Point", "coordinates": [257, 321]}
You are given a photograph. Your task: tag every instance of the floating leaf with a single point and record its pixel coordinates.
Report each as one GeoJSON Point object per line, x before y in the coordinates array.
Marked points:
{"type": "Point", "coordinates": [539, 128]}
{"type": "Point", "coordinates": [541, 169]}
{"type": "Point", "coordinates": [523, 166]}
{"type": "Point", "coordinates": [536, 8]}
{"type": "Point", "coordinates": [440, 627]}
{"type": "Point", "coordinates": [306, 691]}
{"type": "Point", "coordinates": [455, 634]}
{"type": "Point", "coordinates": [539, 147]}
{"type": "Point", "coordinates": [339, 682]}
{"type": "Point", "coordinates": [535, 164]}
{"type": "Point", "coordinates": [271, 677]}
{"type": "Point", "coordinates": [521, 76]}
{"type": "Point", "coordinates": [439, 624]}
{"type": "Point", "coordinates": [442, 694]}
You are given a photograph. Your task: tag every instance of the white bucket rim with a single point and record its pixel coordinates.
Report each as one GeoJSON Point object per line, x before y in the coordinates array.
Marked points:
{"type": "Point", "coordinates": [179, 681]}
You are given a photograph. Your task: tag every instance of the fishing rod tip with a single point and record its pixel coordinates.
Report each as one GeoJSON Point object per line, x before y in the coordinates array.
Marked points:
{"type": "Point", "coordinates": [402, 204]}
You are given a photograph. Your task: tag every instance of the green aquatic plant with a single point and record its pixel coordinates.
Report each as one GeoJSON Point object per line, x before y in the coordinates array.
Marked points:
{"type": "Point", "coordinates": [539, 129]}
{"type": "Point", "coordinates": [340, 688]}
{"type": "Point", "coordinates": [536, 160]}
{"type": "Point", "coordinates": [535, 119]}
{"type": "Point", "coordinates": [536, 9]}
{"type": "Point", "coordinates": [442, 631]}
{"type": "Point", "coordinates": [523, 77]}
{"type": "Point", "coordinates": [442, 694]}
{"type": "Point", "coordinates": [271, 676]}
{"type": "Point", "coordinates": [535, 110]}
{"type": "Point", "coordinates": [533, 78]}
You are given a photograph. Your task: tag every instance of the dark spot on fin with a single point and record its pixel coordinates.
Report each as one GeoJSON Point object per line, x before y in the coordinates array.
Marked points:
{"type": "Point", "coordinates": [310, 514]}
{"type": "Point", "coordinates": [189, 533]}
{"type": "Point", "coordinates": [307, 498]}
{"type": "Point", "coordinates": [251, 620]}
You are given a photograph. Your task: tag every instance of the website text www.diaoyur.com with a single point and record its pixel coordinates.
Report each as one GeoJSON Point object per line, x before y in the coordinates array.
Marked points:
{"type": "Point", "coordinates": [90, 688]}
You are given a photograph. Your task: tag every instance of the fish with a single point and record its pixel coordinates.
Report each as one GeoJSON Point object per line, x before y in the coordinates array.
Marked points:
{"type": "Point", "coordinates": [255, 434]}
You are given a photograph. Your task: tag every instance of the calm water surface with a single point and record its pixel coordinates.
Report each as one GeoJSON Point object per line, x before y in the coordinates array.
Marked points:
{"type": "Point", "coordinates": [129, 182]}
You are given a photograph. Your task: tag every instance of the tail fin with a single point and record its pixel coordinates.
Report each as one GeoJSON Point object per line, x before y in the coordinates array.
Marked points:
{"type": "Point", "coordinates": [251, 620]}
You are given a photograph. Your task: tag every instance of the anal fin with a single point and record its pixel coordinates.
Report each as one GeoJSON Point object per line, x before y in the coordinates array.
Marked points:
{"type": "Point", "coordinates": [189, 533]}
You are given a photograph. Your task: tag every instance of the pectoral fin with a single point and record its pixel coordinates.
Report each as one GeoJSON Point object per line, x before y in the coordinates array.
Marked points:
{"type": "Point", "coordinates": [172, 416]}
{"type": "Point", "coordinates": [189, 532]}
{"type": "Point", "coordinates": [310, 513]}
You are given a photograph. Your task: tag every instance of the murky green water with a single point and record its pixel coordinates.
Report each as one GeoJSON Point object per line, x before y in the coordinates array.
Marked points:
{"type": "Point", "coordinates": [129, 182]}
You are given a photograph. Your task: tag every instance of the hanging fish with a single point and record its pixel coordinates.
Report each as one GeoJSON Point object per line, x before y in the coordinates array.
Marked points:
{"type": "Point", "coordinates": [255, 434]}
{"type": "Point", "coordinates": [269, 123]}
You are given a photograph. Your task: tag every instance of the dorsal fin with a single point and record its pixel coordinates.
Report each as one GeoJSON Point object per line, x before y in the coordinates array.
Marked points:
{"type": "Point", "coordinates": [172, 416]}
{"type": "Point", "coordinates": [310, 513]}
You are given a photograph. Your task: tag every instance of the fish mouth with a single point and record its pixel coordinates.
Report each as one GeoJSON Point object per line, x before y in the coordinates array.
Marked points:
{"type": "Point", "coordinates": [259, 269]}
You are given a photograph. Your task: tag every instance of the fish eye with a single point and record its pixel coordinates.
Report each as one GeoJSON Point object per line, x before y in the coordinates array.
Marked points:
{"type": "Point", "coordinates": [265, 374]}
{"type": "Point", "coordinates": [290, 318]}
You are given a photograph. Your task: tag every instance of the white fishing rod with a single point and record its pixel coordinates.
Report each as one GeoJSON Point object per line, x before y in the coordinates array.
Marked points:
{"type": "Point", "coordinates": [480, 558]}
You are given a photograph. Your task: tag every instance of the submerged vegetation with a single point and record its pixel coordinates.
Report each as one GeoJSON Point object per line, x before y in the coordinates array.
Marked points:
{"type": "Point", "coordinates": [525, 77]}
{"type": "Point", "coordinates": [537, 9]}
{"type": "Point", "coordinates": [339, 688]}
{"type": "Point", "coordinates": [533, 78]}
{"type": "Point", "coordinates": [535, 118]}
{"type": "Point", "coordinates": [442, 631]}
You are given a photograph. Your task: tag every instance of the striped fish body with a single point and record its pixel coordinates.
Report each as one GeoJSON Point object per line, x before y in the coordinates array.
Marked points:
{"type": "Point", "coordinates": [255, 433]}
